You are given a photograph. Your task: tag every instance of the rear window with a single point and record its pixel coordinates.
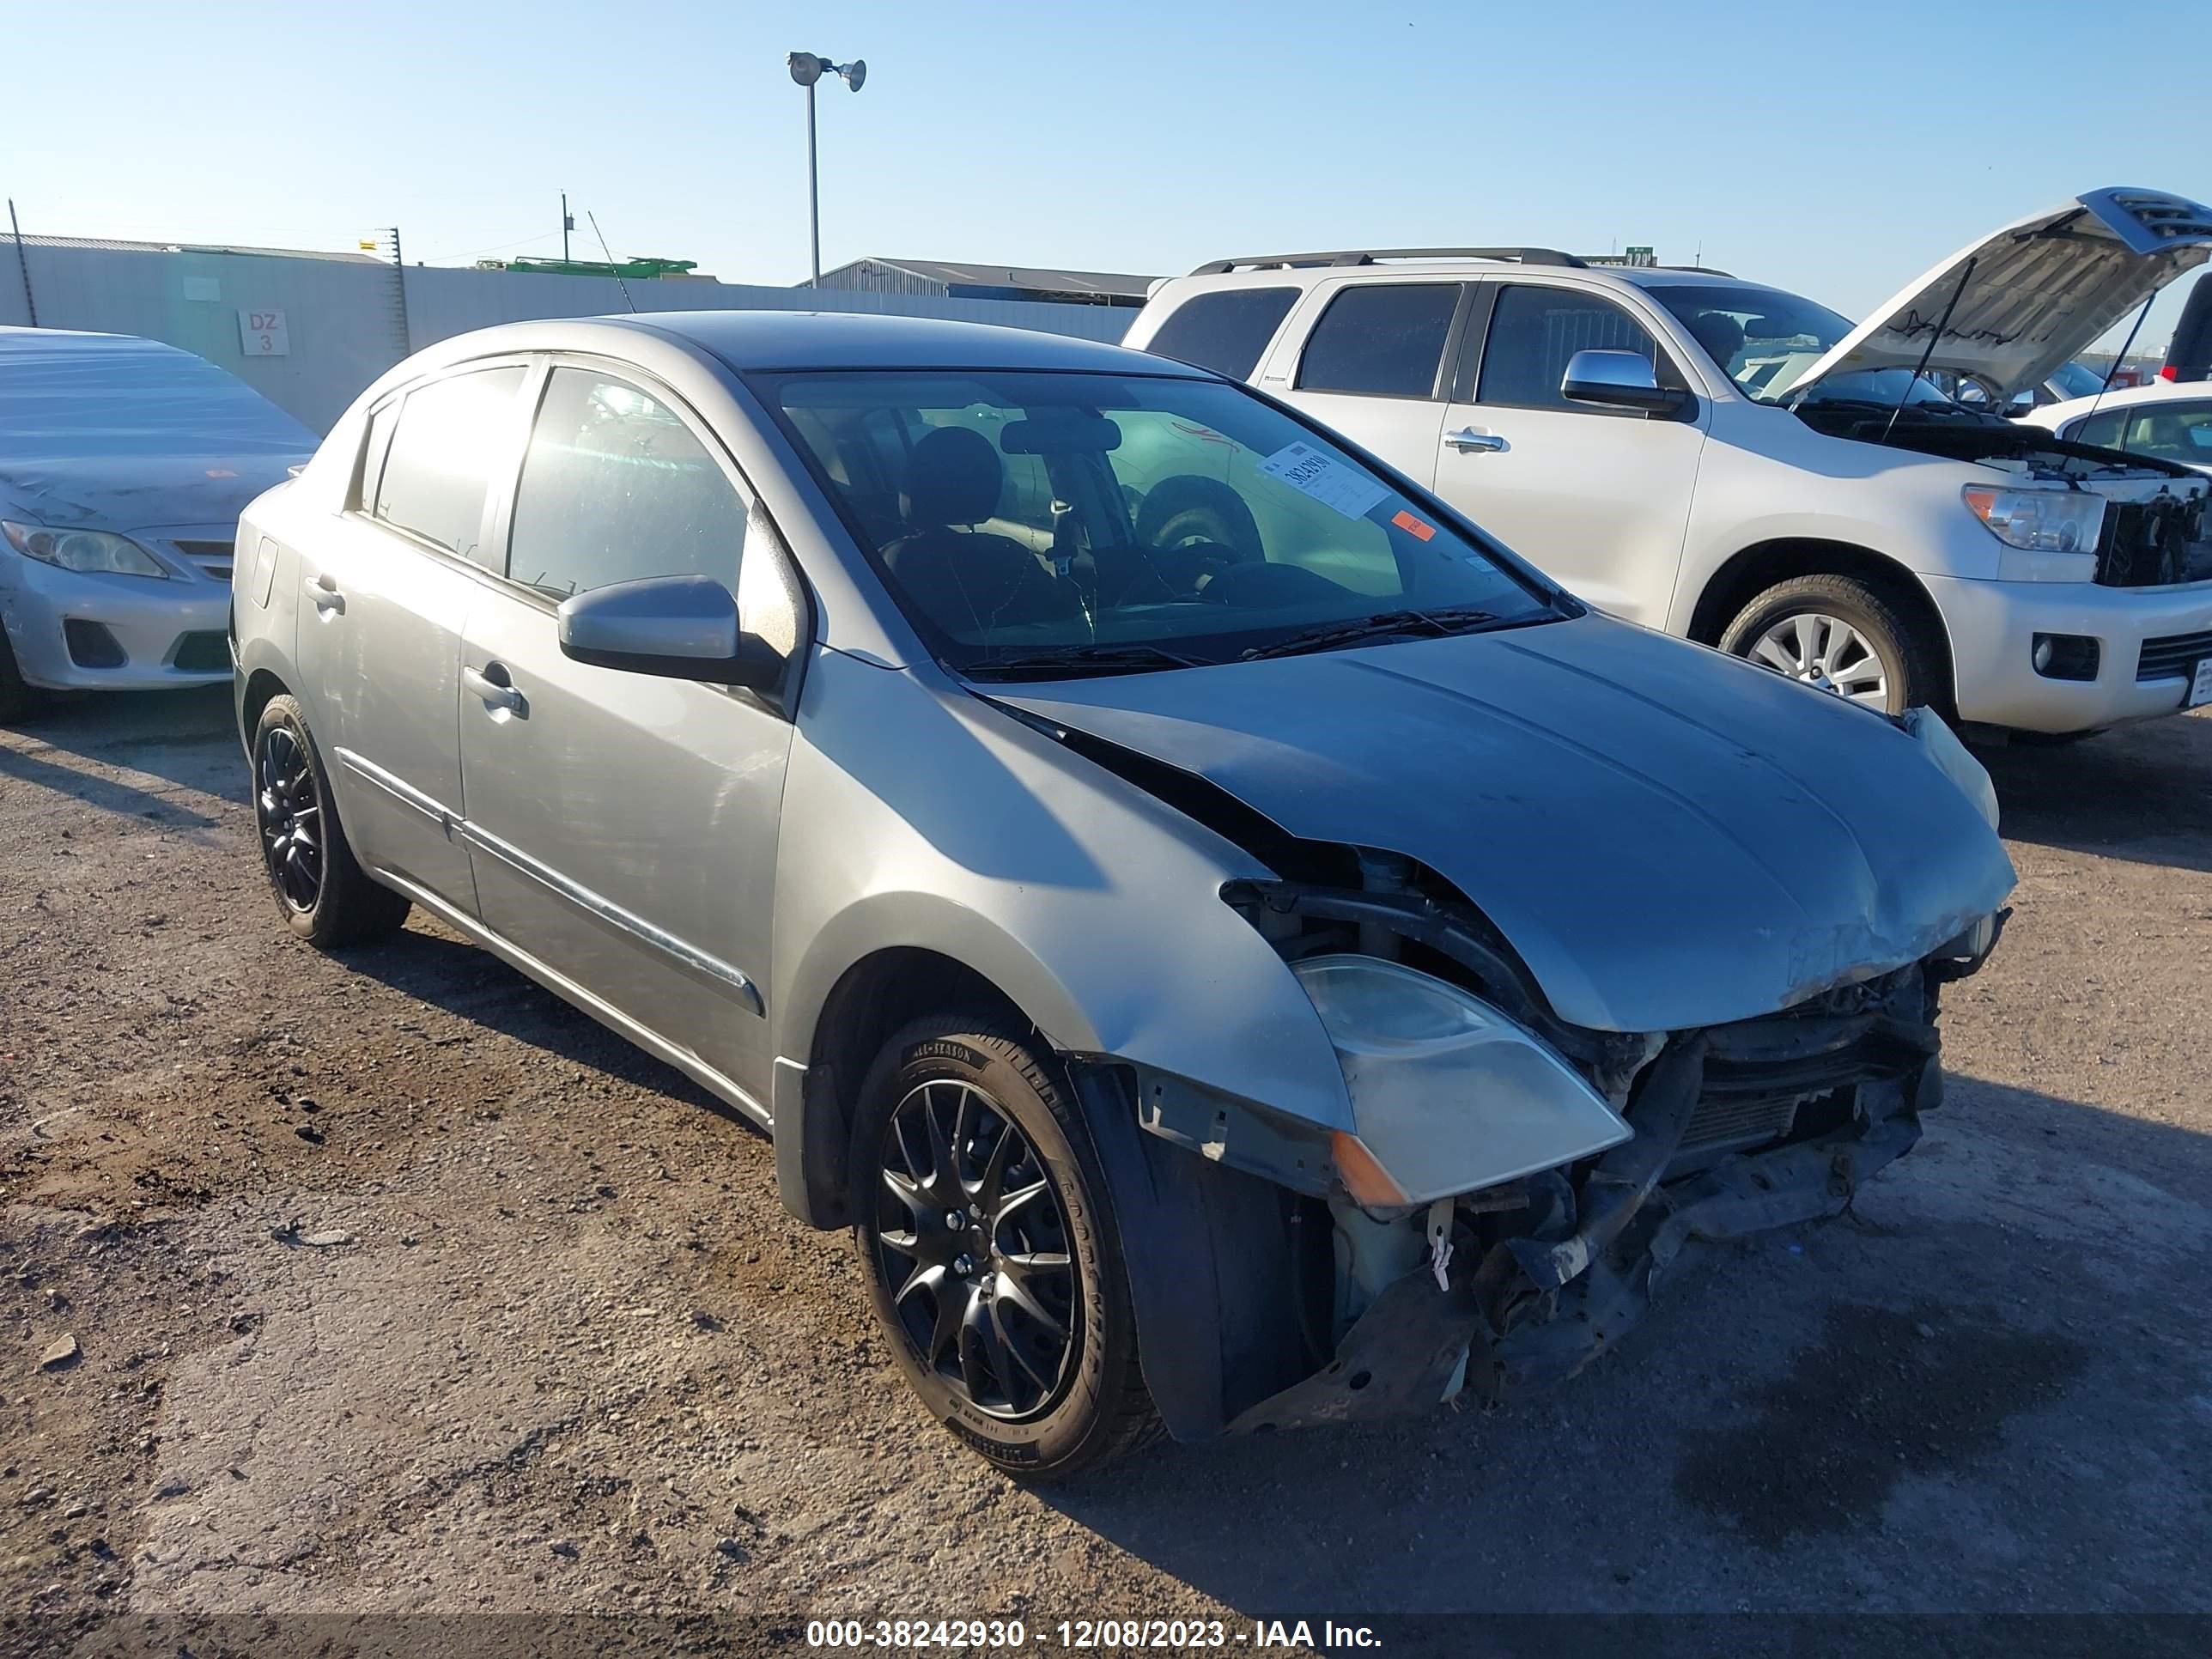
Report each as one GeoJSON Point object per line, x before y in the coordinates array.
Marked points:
{"type": "Point", "coordinates": [1225, 331]}
{"type": "Point", "coordinates": [1383, 339]}
{"type": "Point", "coordinates": [439, 465]}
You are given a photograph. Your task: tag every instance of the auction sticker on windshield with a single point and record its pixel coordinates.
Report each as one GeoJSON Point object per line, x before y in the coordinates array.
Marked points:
{"type": "Point", "coordinates": [2200, 686]}
{"type": "Point", "coordinates": [1325, 478]}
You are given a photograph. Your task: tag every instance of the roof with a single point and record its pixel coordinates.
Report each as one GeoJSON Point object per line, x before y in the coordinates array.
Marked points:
{"type": "Point", "coordinates": [763, 340]}
{"type": "Point", "coordinates": [1039, 278]}
{"type": "Point", "coordinates": [119, 245]}
{"type": "Point", "coordinates": [1463, 268]}
{"type": "Point", "coordinates": [2121, 397]}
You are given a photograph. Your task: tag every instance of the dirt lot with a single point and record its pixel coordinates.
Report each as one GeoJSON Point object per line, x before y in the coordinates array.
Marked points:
{"type": "Point", "coordinates": [397, 1287]}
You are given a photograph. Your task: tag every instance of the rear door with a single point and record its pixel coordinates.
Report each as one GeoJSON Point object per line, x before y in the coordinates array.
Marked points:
{"type": "Point", "coordinates": [388, 586]}
{"type": "Point", "coordinates": [623, 825]}
{"type": "Point", "coordinates": [1597, 498]}
{"type": "Point", "coordinates": [1372, 366]}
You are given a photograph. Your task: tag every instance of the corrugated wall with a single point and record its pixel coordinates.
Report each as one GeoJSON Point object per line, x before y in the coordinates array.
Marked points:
{"type": "Point", "coordinates": [341, 318]}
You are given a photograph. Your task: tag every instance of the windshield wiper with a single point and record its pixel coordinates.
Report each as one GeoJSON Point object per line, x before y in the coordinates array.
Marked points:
{"type": "Point", "coordinates": [1101, 658]}
{"type": "Point", "coordinates": [1382, 624]}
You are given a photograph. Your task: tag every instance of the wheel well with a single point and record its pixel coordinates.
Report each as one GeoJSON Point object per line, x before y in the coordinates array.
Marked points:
{"type": "Point", "coordinates": [260, 686]}
{"type": "Point", "coordinates": [1763, 564]}
{"type": "Point", "coordinates": [873, 999]}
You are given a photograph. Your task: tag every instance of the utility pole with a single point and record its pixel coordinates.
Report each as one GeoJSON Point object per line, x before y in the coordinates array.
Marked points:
{"type": "Point", "coordinates": [24, 264]}
{"type": "Point", "coordinates": [568, 224]}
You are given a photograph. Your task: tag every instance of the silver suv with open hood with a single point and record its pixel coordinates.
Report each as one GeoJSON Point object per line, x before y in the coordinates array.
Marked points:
{"type": "Point", "coordinates": [1222, 985]}
{"type": "Point", "coordinates": [1742, 466]}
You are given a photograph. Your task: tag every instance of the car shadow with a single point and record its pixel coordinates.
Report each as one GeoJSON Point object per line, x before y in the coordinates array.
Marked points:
{"type": "Point", "coordinates": [162, 735]}
{"type": "Point", "coordinates": [1967, 1385]}
{"type": "Point", "coordinates": [2141, 793]}
{"type": "Point", "coordinates": [469, 981]}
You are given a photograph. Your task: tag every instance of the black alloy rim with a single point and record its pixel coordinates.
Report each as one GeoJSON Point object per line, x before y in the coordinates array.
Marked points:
{"type": "Point", "coordinates": [970, 1235]}
{"type": "Point", "coordinates": [290, 817]}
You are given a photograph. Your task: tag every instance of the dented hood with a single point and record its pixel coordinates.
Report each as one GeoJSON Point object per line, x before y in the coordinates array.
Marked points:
{"type": "Point", "coordinates": [1668, 837]}
{"type": "Point", "coordinates": [112, 431]}
{"type": "Point", "coordinates": [2034, 295]}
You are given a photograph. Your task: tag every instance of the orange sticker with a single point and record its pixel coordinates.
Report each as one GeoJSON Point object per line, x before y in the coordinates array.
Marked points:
{"type": "Point", "coordinates": [1411, 525]}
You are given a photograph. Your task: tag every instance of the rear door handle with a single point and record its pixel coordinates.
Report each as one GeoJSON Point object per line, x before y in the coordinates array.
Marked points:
{"type": "Point", "coordinates": [324, 592]}
{"type": "Point", "coordinates": [1467, 438]}
{"type": "Point", "coordinates": [499, 693]}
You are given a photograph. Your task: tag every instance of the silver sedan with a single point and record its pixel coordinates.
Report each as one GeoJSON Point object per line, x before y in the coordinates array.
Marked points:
{"type": "Point", "coordinates": [1238, 948]}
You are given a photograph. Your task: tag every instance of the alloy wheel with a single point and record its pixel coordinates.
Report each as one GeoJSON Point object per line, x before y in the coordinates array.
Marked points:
{"type": "Point", "coordinates": [971, 1235]}
{"type": "Point", "coordinates": [1827, 652]}
{"type": "Point", "coordinates": [290, 817]}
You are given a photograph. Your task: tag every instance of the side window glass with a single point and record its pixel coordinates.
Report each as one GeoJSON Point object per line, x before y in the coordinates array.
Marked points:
{"type": "Point", "coordinates": [1224, 330]}
{"type": "Point", "coordinates": [1536, 331]}
{"type": "Point", "coordinates": [373, 452]}
{"type": "Point", "coordinates": [2101, 429]}
{"type": "Point", "coordinates": [1384, 339]}
{"type": "Point", "coordinates": [435, 472]}
{"type": "Point", "coordinates": [614, 488]}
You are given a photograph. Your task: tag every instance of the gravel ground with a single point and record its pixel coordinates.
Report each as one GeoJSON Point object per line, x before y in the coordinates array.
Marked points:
{"type": "Point", "coordinates": [388, 1285]}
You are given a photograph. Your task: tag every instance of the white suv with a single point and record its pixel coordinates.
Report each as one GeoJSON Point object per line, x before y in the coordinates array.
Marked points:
{"type": "Point", "coordinates": [1738, 465]}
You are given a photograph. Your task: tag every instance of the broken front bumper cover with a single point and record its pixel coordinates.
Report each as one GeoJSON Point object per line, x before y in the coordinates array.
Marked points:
{"type": "Point", "coordinates": [1531, 1314]}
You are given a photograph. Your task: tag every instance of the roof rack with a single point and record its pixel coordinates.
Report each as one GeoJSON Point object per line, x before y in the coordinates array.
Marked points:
{"type": "Point", "coordinates": [1368, 256]}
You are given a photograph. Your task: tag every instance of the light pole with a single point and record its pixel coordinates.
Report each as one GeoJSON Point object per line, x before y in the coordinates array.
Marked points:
{"type": "Point", "coordinates": [806, 68]}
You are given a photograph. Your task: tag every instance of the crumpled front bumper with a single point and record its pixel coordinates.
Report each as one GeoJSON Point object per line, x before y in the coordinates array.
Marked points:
{"type": "Point", "coordinates": [1525, 1315]}
{"type": "Point", "coordinates": [150, 622]}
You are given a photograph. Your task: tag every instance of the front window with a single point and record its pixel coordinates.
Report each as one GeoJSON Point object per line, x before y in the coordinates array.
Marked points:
{"type": "Point", "coordinates": [1128, 521]}
{"type": "Point", "coordinates": [1763, 338]}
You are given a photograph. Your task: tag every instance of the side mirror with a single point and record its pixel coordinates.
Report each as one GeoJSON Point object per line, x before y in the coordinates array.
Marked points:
{"type": "Point", "coordinates": [682, 628]}
{"type": "Point", "coordinates": [1619, 380]}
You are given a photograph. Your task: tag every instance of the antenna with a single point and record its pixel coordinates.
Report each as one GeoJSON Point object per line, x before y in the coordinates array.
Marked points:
{"type": "Point", "coordinates": [609, 251]}
{"type": "Point", "coordinates": [1920, 368]}
{"type": "Point", "coordinates": [2125, 348]}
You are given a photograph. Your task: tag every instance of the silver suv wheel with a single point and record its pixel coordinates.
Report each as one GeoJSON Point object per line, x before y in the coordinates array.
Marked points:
{"type": "Point", "coordinates": [1827, 652]}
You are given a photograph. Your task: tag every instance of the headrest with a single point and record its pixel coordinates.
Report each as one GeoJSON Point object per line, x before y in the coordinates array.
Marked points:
{"type": "Point", "coordinates": [955, 478]}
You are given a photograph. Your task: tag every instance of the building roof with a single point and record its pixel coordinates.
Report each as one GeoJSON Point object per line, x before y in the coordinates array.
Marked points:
{"type": "Point", "coordinates": [1042, 279]}
{"type": "Point", "coordinates": [120, 245]}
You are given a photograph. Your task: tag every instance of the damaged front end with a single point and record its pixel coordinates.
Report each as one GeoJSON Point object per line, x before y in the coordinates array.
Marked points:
{"type": "Point", "coordinates": [1521, 1281]}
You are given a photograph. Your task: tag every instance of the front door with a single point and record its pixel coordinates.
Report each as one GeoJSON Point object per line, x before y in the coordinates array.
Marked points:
{"type": "Point", "coordinates": [1596, 498]}
{"type": "Point", "coordinates": [387, 592]}
{"type": "Point", "coordinates": [623, 826]}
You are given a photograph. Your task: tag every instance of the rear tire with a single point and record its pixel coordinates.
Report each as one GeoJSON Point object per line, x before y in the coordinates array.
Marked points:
{"type": "Point", "coordinates": [321, 891]}
{"type": "Point", "coordinates": [1187, 511]}
{"type": "Point", "coordinates": [1839, 633]}
{"type": "Point", "coordinates": [993, 1263]}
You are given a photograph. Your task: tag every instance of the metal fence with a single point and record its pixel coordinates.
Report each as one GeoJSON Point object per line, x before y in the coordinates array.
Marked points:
{"type": "Point", "coordinates": [309, 333]}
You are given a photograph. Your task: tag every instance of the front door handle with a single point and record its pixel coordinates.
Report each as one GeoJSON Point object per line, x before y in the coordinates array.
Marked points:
{"type": "Point", "coordinates": [324, 592]}
{"type": "Point", "coordinates": [1467, 438]}
{"type": "Point", "coordinates": [492, 684]}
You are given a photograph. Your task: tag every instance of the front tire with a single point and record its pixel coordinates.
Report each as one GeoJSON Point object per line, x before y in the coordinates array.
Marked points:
{"type": "Point", "coordinates": [321, 891]}
{"type": "Point", "coordinates": [1842, 634]}
{"type": "Point", "coordinates": [14, 695]}
{"type": "Point", "coordinates": [987, 1241]}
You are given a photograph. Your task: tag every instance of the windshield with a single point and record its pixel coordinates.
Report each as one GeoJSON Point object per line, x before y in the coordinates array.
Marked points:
{"type": "Point", "coordinates": [1120, 522]}
{"type": "Point", "coordinates": [1763, 338]}
{"type": "Point", "coordinates": [2077, 381]}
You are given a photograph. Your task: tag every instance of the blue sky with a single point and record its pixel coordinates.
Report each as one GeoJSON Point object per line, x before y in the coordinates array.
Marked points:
{"type": "Point", "coordinates": [1836, 150]}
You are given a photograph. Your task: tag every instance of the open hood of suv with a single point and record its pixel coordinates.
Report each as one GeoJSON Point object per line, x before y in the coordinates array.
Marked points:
{"type": "Point", "coordinates": [2034, 295]}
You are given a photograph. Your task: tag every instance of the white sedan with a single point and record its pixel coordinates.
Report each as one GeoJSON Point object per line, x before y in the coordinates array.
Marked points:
{"type": "Point", "coordinates": [2169, 420]}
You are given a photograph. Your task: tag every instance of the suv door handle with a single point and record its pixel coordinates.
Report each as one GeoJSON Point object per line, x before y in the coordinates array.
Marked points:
{"type": "Point", "coordinates": [1467, 438]}
{"type": "Point", "coordinates": [324, 592]}
{"type": "Point", "coordinates": [498, 693]}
